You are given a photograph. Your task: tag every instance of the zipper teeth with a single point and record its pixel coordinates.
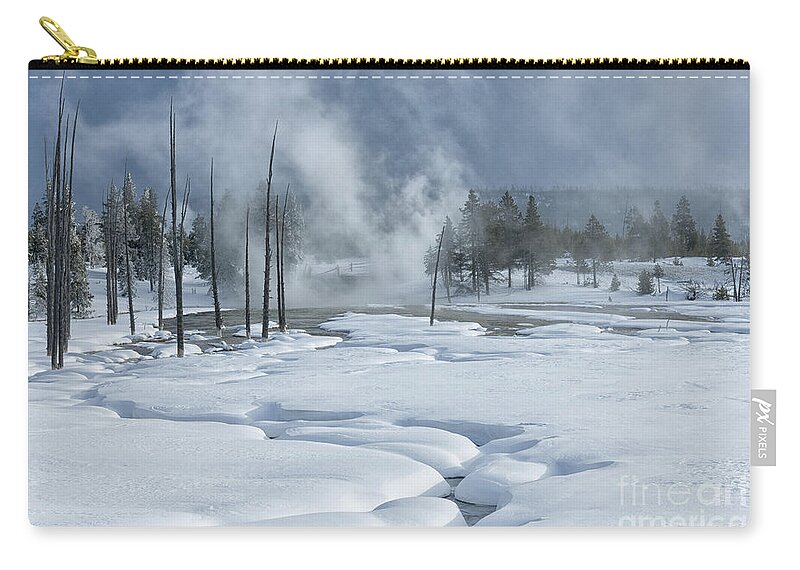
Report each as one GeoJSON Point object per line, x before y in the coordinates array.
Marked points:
{"type": "Point", "coordinates": [441, 63]}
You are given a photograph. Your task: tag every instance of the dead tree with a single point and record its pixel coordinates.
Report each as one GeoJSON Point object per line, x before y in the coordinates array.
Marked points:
{"type": "Point", "coordinates": [278, 266]}
{"type": "Point", "coordinates": [214, 285]}
{"type": "Point", "coordinates": [110, 239]}
{"type": "Point", "coordinates": [161, 267]}
{"type": "Point", "coordinates": [267, 252]}
{"type": "Point", "coordinates": [128, 271]}
{"type": "Point", "coordinates": [177, 240]}
{"type": "Point", "coordinates": [436, 275]}
{"type": "Point", "coordinates": [59, 230]}
{"type": "Point", "coordinates": [247, 273]}
{"type": "Point", "coordinates": [282, 281]}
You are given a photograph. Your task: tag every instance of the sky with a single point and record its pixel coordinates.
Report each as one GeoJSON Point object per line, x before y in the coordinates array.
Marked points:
{"type": "Point", "coordinates": [390, 156]}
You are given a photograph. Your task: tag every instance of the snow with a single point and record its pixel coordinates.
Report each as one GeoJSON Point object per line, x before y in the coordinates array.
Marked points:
{"type": "Point", "coordinates": [559, 424]}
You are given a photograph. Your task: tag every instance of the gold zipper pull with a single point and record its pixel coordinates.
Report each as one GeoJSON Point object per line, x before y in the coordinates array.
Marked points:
{"type": "Point", "coordinates": [72, 53]}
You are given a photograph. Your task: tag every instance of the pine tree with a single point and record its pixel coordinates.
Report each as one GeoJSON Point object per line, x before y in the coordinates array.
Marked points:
{"type": "Point", "coordinates": [721, 245]}
{"type": "Point", "coordinates": [636, 234]}
{"type": "Point", "coordinates": [658, 273]}
{"type": "Point", "coordinates": [91, 235]}
{"type": "Point", "coordinates": [645, 284]}
{"type": "Point", "coordinates": [507, 233]}
{"type": "Point", "coordinates": [80, 295]}
{"type": "Point", "coordinates": [659, 233]}
{"type": "Point", "coordinates": [615, 284]}
{"type": "Point", "coordinates": [598, 245]}
{"type": "Point", "coordinates": [147, 231]}
{"type": "Point", "coordinates": [471, 235]}
{"type": "Point", "coordinates": [684, 229]}
{"type": "Point", "coordinates": [198, 247]}
{"type": "Point", "coordinates": [538, 249]}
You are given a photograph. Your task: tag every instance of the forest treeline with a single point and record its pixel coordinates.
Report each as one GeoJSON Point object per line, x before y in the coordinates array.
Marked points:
{"type": "Point", "coordinates": [492, 240]}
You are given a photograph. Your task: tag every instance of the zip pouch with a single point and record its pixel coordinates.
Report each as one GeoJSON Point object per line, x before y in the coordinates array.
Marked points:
{"type": "Point", "coordinates": [388, 293]}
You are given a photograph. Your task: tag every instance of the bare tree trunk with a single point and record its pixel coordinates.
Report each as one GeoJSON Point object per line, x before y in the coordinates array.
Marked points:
{"type": "Point", "coordinates": [161, 267]}
{"type": "Point", "coordinates": [278, 267]}
{"type": "Point", "coordinates": [59, 234]}
{"type": "Point", "coordinates": [267, 252]}
{"type": "Point", "coordinates": [214, 285]}
{"type": "Point", "coordinates": [128, 275]}
{"type": "Point", "coordinates": [177, 240]}
{"type": "Point", "coordinates": [282, 282]}
{"type": "Point", "coordinates": [594, 273]}
{"type": "Point", "coordinates": [247, 273]}
{"type": "Point", "coordinates": [435, 275]}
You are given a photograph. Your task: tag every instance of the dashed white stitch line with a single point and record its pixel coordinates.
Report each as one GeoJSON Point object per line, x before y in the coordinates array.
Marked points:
{"type": "Point", "coordinates": [391, 77]}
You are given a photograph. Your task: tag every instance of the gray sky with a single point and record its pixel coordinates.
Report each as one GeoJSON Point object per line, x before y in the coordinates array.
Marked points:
{"type": "Point", "coordinates": [377, 152]}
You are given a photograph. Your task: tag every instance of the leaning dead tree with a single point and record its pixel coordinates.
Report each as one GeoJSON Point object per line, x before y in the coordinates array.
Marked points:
{"type": "Point", "coordinates": [110, 241]}
{"type": "Point", "coordinates": [436, 274]}
{"type": "Point", "coordinates": [161, 266]}
{"type": "Point", "coordinates": [177, 238]}
{"type": "Point", "coordinates": [59, 231]}
{"type": "Point", "coordinates": [128, 270]}
{"type": "Point", "coordinates": [267, 251]}
{"type": "Point", "coordinates": [247, 273]}
{"type": "Point", "coordinates": [214, 285]}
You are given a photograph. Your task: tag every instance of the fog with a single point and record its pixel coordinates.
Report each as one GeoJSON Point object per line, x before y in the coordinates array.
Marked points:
{"type": "Point", "coordinates": [377, 165]}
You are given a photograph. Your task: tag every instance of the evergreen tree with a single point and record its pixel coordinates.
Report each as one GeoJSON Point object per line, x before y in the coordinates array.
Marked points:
{"type": "Point", "coordinates": [37, 260]}
{"type": "Point", "coordinates": [507, 233]}
{"type": "Point", "coordinates": [80, 295]}
{"type": "Point", "coordinates": [198, 247]}
{"type": "Point", "coordinates": [684, 229]}
{"type": "Point", "coordinates": [471, 235]}
{"type": "Point", "coordinates": [659, 233]}
{"type": "Point", "coordinates": [147, 229]}
{"type": "Point", "coordinates": [537, 245]}
{"type": "Point", "coordinates": [636, 235]}
{"type": "Point", "coordinates": [597, 245]}
{"type": "Point", "coordinates": [91, 235]}
{"type": "Point", "coordinates": [645, 284]}
{"type": "Point", "coordinates": [658, 273]}
{"type": "Point", "coordinates": [720, 246]}
{"type": "Point", "coordinates": [37, 236]}
{"type": "Point", "coordinates": [615, 284]}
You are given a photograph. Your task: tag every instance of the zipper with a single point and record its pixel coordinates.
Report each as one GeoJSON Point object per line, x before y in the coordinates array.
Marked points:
{"type": "Point", "coordinates": [80, 57]}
